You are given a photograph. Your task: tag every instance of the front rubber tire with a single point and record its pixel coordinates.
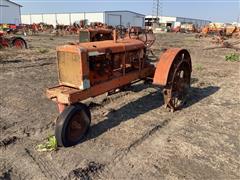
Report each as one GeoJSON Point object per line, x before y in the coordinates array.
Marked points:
{"type": "Point", "coordinates": [72, 125]}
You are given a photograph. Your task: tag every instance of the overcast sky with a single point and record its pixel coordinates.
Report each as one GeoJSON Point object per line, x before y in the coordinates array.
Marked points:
{"type": "Point", "coordinates": [214, 10]}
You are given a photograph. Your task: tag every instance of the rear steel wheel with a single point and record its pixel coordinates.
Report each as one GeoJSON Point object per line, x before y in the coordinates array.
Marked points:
{"type": "Point", "coordinates": [176, 91]}
{"type": "Point", "coordinates": [72, 125]}
{"type": "Point", "coordinates": [4, 43]}
{"type": "Point", "coordinates": [19, 43]}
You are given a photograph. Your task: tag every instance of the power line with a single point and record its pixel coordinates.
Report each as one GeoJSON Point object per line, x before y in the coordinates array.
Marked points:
{"type": "Point", "coordinates": [157, 10]}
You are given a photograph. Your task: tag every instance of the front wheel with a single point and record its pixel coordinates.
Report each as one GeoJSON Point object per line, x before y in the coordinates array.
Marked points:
{"type": "Point", "coordinates": [72, 125]}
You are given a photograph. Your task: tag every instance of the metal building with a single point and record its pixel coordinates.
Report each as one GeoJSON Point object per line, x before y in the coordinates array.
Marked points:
{"type": "Point", "coordinates": [10, 12]}
{"type": "Point", "coordinates": [175, 21]}
{"type": "Point", "coordinates": [114, 18]}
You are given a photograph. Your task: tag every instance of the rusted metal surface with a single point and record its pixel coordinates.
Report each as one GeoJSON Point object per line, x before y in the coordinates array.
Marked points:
{"type": "Point", "coordinates": [221, 32]}
{"type": "Point", "coordinates": [4, 42]}
{"type": "Point", "coordinates": [103, 80]}
{"type": "Point", "coordinates": [72, 67]}
{"type": "Point", "coordinates": [69, 95]}
{"type": "Point", "coordinates": [93, 68]}
{"type": "Point", "coordinates": [230, 30]}
{"type": "Point", "coordinates": [122, 45]}
{"type": "Point", "coordinates": [176, 91]}
{"type": "Point", "coordinates": [61, 107]}
{"type": "Point", "coordinates": [173, 72]}
{"type": "Point", "coordinates": [187, 28]}
{"type": "Point", "coordinates": [72, 124]}
{"type": "Point", "coordinates": [76, 127]}
{"type": "Point", "coordinates": [7, 41]}
{"type": "Point", "coordinates": [91, 35]}
{"type": "Point", "coordinates": [146, 36]}
{"type": "Point", "coordinates": [165, 63]}
{"type": "Point", "coordinates": [101, 33]}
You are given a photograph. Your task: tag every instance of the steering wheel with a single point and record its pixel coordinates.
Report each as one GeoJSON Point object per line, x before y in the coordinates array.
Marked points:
{"type": "Point", "coordinates": [121, 31]}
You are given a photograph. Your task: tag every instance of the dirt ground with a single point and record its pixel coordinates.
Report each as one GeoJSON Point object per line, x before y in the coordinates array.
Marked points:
{"type": "Point", "coordinates": [132, 136]}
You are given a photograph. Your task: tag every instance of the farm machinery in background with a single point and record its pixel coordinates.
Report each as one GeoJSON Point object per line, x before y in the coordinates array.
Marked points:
{"type": "Point", "coordinates": [62, 30]}
{"type": "Point", "coordinates": [220, 34]}
{"type": "Point", "coordinates": [8, 41]}
{"type": "Point", "coordinates": [90, 69]}
{"type": "Point", "coordinates": [27, 29]}
{"type": "Point", "coordinates": [185, 28]}
{"type": "Point", "coordinates": [220, 30]}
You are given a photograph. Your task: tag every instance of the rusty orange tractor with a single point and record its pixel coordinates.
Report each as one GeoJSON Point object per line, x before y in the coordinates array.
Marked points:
{"type": "Point", "coordinates": [7, 41]}
{"type": "Point", "coordinates": [219, 30]}
{"type": "Point", "coordinates": [93, 68]}
{"type": "Point", "coordinates": [231, 31]}
{"type": "Point", "coordinates": [188, 28]}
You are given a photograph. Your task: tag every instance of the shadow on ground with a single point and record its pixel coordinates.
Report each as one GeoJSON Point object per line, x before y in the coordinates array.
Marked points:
{"type": "Point", "coordinates": [143, 105]}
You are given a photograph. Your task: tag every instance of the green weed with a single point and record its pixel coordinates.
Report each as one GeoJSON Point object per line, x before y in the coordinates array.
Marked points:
{"type": "Point", "coordinates": [43, 50]}
{"type": "Point", "coordinates": [199, 67]}
{"type": "Point", "coordinates": [232, 57]}
{"type": "Point", "coordinates": [49, 145]}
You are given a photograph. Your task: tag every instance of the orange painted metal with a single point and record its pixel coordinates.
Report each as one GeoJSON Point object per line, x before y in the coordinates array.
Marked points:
{"type": "Point", "coordinates": [120, 46]}
{"type": "Point", "coordinates": [72, 67]}
{"type": "Point", "coordinates": [165, 63]}
{"type": "Point", "coordinates": [61, 107]}
{"type": "Point", "coordinates": [95, 34]}
{"type": "Point", "coordinates": [68, 95]}
{"type": "Point", "coordinates": [205, 30]}
{"type": "Point", "coordinates": [96, 62]}
{"type": "Point", "coordinates": [93, 68]}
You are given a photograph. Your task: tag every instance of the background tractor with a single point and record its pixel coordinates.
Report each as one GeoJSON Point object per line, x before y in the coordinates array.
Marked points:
{"type": "Point", "coordinates": [12, 41]}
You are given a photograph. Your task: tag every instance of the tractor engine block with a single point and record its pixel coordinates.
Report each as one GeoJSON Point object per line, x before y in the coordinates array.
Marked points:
{"type": "Point", "coordinates": [94, 63]}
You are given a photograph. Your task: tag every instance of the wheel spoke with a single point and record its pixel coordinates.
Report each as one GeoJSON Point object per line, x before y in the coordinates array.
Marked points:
{"type": "Point", "coordinates": [180, 85]}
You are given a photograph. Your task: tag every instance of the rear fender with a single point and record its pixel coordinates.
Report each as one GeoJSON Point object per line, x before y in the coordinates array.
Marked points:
{"type": "Point", "coordinates": [167, 63]}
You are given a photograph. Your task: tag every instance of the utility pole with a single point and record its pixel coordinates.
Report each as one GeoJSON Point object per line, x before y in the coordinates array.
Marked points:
{"type": "Point", "coordinates": [156, 11]}
{"type": "Point", "coordinates": [158, 3]}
